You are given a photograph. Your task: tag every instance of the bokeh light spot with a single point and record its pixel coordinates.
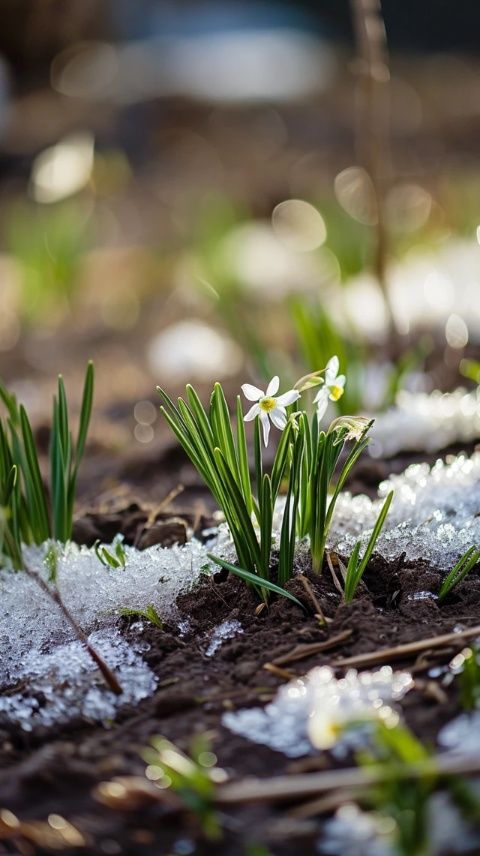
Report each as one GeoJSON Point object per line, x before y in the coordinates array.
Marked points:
{"type": "Point", "coordinates": [299, 225]}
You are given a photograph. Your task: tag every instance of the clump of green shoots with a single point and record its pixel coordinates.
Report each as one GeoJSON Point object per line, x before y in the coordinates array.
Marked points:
{"type": "Point", "coordinates": [305, 464]}
{"type": "Point", "coordinates": [221, 457]}
{"type": "Point", "coordinates": [115, 558]}
{"type": "Point", "coordinates": [459, 571]}
{"type": "Point", "coordinates": [149, 614]}
{"type": "Point", "coordinates": [31, 511]}
{"type": "Point", "coordinates": [357, 565]}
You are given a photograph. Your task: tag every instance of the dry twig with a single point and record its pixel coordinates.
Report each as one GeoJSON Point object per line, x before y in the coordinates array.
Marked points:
{"type": "Point", "coordinates": [316, 604]}
{"type": "Point", "coordinates": [403, 652]}
{"type": "Point", "coordinates": [307, 649]}
{"type": "Point", "coordinates": [54, 595]}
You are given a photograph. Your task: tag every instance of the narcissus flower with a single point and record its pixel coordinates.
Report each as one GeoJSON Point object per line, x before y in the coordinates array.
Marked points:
{"type": "Point", "coordinates": [332, 388]}
{"type": "Point", "coordinates": [269, 406]}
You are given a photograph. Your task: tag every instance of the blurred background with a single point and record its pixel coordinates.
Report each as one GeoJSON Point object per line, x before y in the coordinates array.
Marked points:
{"type": "Point", "coordinates": [194, 190]}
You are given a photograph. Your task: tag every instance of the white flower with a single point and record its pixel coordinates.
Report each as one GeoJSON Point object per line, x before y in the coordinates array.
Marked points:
{"type": "Point", "coordinates": [268, 405]}
{"type": "Point", "coordinates": [333, 387]}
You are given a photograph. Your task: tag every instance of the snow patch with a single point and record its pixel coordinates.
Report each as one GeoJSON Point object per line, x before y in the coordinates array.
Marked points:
{"type": "Point", "coordinates": [46, 674]}
{"type": "Point", "coordinates": [313, 711]}
{"type": "Point", "coordinates": [56, 687]}
{"type": "Point", "coordinates": [435, 513]}
{"type": "Point", "coordinates": [225, 630]}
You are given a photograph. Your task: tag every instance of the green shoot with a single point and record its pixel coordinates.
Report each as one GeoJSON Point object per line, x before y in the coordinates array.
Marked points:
{"type": "Point", "coordinates": [469, 677]}
{"type": "Point", "coordinates": [319, 337]}
{"type": "Point", "coordinates": [35, 513]}
{"type": "Point", "coordinates": [149, 614]}
{"type": "Point", "coordinates": [410, 776]}
{"type": "Point", "coordinates": [470, 369]}
{"type": "Point", "coordinates": [321, 455]}
{"type": "Point", "coordinates": [48, 243]}
{"type": "Point", "coordinates": [51, 562]}
{"type": "Point", "coordinates": [459, 571]}
{"type": "Point", "coordinates": [109, 559]}
{"type": "Point", "coordinates": [192, 779]}
{"type": "Point", "coordinates": [356, 566]}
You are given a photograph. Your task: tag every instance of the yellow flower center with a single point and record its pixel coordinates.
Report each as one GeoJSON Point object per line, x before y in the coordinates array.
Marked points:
{"type": "Point", "coordinates": [324, 733]}
{"type": "Point", "coordinates": [336, 392]}
{"type": "Point", "coordinates": [267, 404]}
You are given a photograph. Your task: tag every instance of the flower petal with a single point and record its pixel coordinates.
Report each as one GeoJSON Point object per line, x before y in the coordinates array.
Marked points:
{"type": "Point", "coordinates": [272, 387]}
{"type": "Point", "coordinates": [321, 396]}
{"type": "Point", "coordinates": [322, 406]}
{"type": "Point", "coordinates": [340, 380]}
{"type": "Point", "coordinates": [331, 370]}
{"type": "Point", "coordinates": [266, 427]}
{"type": "Point", "coordinates": [254, 411]}
{"type": "Point", "coordinates": [288, 398]}
{"type": "Point", "coordinates": [279, 418]}
{"type": "Point", "coordinates": [253, 393]}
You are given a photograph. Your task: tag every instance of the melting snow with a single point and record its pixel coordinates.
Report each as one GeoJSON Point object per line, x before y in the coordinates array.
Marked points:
{"type": "Point", "coordinates": [312, 711]}
{"type": "Point", "coordinates": [38, 651]}
{"type": "Point", "coordinates": [93, 594]}
{"type": "Point", "coordinates": [56, 687]}
{"type": "Point", "coordinates": [225, 630]}
{"type": "Point", "coordinates": [435, 513]}
{"type": "Point", "coordinates": [353, 832]}
{"type": "Point", "coordinates": [462, 734]}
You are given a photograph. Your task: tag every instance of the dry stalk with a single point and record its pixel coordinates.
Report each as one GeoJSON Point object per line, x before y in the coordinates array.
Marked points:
{"type": "Point", "coordinates": [372, 119]}
{"type": "Point", "coordinates": [402, 652]}
{"type": "Point", "coordinates": [280, 673]}
{"type": "Point", "coordinates": [54, 595]}
{"type": "Point", "coordinates": [307, 649]}
{"type": "Point", "coordinates": [335, 579]}
{"type": "Point", "coordinates": [285, 788]}
{"type": "Point", "coordinates": [319, 614]}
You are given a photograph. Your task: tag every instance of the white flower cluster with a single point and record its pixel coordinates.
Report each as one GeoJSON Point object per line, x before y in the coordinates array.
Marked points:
{"type": "Point", "coordinates": [270, 406]}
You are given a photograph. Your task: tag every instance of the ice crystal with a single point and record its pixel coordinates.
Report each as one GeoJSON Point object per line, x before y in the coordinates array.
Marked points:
{"type": "Point", "coordinates": [422, 595]}
{"type": "Point", "coordinates": [353, 832]}
{"type": "Point", "coordinates": [225, 630]}
{"type": "Point", "coordinates": [312, 711]}
{"type": "Point", "coordinates": [39, 651]}
{"type": "Point", "coordinates": [93, 594]}
{"type": "Point", "coordinates": [56, 687]}
{"type": "Point", "coordinates": [434, 514]}
{"type": "Point", "coordinates": [426, 422]}
{"type": "Point", "coordinates": [462, 734]}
